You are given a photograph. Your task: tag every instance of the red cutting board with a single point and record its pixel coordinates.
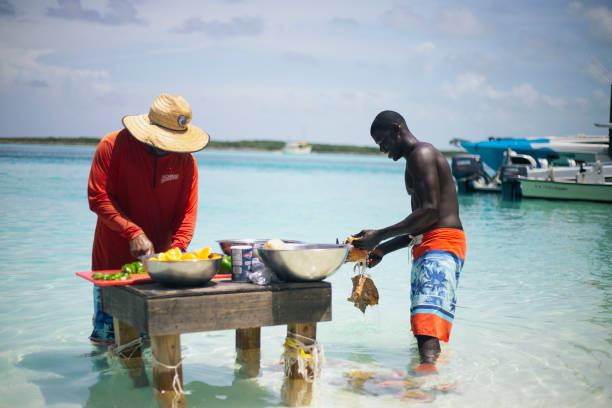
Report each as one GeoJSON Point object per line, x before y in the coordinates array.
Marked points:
{"type": "Point", "coordinates": [134, 278]}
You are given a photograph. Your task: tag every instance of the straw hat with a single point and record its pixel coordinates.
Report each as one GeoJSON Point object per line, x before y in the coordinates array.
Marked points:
{"type": "Point", "coordinates": [167, 127]}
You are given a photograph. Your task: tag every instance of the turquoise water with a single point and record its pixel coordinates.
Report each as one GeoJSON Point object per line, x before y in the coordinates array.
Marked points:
{"type": "Point", "coordinates": [534, 317]}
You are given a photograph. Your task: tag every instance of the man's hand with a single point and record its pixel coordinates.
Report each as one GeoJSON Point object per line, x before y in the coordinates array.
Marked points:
{"type": "Point", "coordinates": [374, 257]}
{"type": "Point", "coordinates": [366, 239]}
{"type": "Point", "coordinates": [140, 246]}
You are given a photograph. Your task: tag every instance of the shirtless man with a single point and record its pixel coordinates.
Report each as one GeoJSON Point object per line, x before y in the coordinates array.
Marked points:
{"type": "Point", "coordinates": [433, 228]}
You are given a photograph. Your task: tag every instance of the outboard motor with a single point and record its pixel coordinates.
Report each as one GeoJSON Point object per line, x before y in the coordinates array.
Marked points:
{"type": "Point", "coordinates": [466, 168]}
{"type": "Point", "coordinates": [510, 184]}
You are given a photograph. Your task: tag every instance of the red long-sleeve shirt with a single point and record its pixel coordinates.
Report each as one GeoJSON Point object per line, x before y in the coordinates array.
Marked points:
{"type": "Point", "coordinates": [132, 191]}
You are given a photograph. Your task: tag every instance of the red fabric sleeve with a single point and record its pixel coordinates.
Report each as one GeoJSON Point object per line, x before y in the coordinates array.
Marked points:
{"type": "Point", "coordinates": [97, 194]}
{"type": "Point", "coordinates": [186, 224]}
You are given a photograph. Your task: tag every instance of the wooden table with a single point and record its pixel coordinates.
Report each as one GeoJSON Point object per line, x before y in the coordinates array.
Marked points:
{"type": "Point", "coordinates": [164, 313]}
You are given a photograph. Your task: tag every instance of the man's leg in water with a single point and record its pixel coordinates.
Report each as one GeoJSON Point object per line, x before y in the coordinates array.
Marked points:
{"type": "Point", "coordinates": [429, 349]}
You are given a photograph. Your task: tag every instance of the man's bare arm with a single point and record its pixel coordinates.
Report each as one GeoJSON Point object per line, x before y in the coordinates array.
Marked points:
{"type": "Point", "coordinates": [394, 244]}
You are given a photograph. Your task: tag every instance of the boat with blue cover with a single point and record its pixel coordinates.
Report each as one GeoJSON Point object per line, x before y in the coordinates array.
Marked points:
{"type": "Point", "coordinates": [552, 149]}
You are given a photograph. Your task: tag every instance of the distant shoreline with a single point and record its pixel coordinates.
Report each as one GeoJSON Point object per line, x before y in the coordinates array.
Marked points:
{"type": "Point", "coordinates": [256, 145]}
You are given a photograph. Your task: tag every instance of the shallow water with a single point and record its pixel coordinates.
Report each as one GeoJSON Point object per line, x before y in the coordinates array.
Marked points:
{"type": "Point", "coordinates": [534, 315]}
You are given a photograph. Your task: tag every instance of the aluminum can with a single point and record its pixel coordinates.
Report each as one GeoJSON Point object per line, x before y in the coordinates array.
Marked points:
{"type": "Point", "coordinates": [242, 257]}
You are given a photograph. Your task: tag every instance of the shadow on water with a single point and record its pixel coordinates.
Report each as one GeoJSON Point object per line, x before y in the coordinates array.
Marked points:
{"type": "Point", "coordinates": [97, 380]}
{"type": "Point", "coordinates": [87, 380]}
{"type": "Point", "coordinates": [241, 393]}
{"type": "Point", "coordinates": [68, 376]}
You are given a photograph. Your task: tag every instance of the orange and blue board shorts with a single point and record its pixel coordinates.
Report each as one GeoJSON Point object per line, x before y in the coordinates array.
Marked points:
{"type": "Point", "coordinates": [436, 266]}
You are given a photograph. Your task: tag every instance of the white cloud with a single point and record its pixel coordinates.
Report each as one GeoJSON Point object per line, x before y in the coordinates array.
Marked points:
{"type": "Point", "coordinates": [597, 18]}
{"type": "Point", "coordinates": [19, 67]}
{"type": "Point", "coordinates": [357, 58]}
{"type": "Point", "coordinates": [308, 97]}
{"type": "Point", "coordinates": [581, 102]}
{"type": "Point", "coordinates": [120, 12]}
{"type": "Point", "coordinates": [467, 82]}
{"type": "Point", "coordinates": [521, 95]}
{"type": "Point", "coordinates": [425, 47]}
{"type": "Point", "coordinates": [555, 102]}
{"type": "Point", "coordinates": [459, 22]}
{"type": "Point", "coordinates": [601, 19]}
{"type": "Point", "coordinates": [598, 93]}
{"type": "Point", "coordinates": [237, 26]}
{"type": "Point", "coordinates": [494, 94]}
{"type": "Point", "coordinates": [527, 96]}
{"type": "Point", "coordinates": [525, 93]}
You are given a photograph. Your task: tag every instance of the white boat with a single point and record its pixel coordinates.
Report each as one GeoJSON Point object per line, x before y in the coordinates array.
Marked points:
{"type": "Point", "coordinates": [591, 182]}
{"type": "Point", "coordinates": [297, 148]}
{"type": "Point", "coordinates": [566, 190]}
{"type": "Point", "coordinates": [523, 176]}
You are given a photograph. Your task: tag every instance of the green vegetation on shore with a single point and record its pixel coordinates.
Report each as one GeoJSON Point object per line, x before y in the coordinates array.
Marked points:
{"type": "Point", "coordinates": [264, 145]}
{"type": "Point", "coordinates": [52, 140]}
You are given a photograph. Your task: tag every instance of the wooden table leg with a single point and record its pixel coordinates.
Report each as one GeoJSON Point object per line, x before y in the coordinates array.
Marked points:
{"type": "Point", "coordinates": [248, 343]}
{"type": "Point", "coordinates": [131, 356]}
{"type": "Point", "coordinates": [166, 352]}
{"type": "Point", "coordinates": [297, 390]}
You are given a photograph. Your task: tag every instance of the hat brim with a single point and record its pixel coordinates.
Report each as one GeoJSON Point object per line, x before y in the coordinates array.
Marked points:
{"type": "Point", "coordinates": [189, 140]}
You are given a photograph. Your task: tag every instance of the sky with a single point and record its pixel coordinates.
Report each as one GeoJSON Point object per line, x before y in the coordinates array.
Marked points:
{"type": "Point", "coordinates": [311, 70]}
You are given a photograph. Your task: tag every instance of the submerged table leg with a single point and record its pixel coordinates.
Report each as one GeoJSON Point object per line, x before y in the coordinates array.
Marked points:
{"type": "Point", "coordinates": [248, 342]}
{"type": "Point", "coordinates": [167, 371]}
{"type": "Point", "coordinates": [130, 354]}
{"type": "Point", "coordinates": [297, 390]}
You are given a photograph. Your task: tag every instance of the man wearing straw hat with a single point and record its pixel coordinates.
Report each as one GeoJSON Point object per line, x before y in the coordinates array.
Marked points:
{"type": "Point", "coordinates": [143, 185]}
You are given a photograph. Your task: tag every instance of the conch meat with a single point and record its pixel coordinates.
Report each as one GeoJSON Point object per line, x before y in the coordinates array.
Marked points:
{"type": "Point", "coordinates": [364, 291]}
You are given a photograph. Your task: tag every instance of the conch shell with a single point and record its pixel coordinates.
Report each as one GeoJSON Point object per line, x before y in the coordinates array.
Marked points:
{"type": "Point", "coordinates": [355, 255]}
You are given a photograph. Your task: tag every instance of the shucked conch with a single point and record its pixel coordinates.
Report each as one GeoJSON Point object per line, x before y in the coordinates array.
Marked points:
{"type": "Point", "coordinates": [364, 291]}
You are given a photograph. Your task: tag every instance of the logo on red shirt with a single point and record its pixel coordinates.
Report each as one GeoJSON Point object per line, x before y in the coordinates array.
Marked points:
{"type": "Point", "coordinates": [169, 177]}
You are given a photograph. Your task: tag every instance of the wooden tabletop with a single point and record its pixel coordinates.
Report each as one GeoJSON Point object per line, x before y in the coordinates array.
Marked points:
{"type": "Point", "coordinates": [219, 305]}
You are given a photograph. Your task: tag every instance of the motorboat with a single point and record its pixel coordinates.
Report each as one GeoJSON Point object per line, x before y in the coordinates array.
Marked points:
{"type": "Point", "coordinates": [592, 182]}
{"type": "Point", "coordinates": [471, 176]}
{"type": "Point", "coordinates": [552, 149]}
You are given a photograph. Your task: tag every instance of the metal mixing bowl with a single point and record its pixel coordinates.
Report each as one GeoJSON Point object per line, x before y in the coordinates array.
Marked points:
{"type": "Point", "coordinates": [191, 272]}
{"type": "Point", "coordinates": [304, 262]}
{"type": "Point", "coordinates": [226, 244]}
